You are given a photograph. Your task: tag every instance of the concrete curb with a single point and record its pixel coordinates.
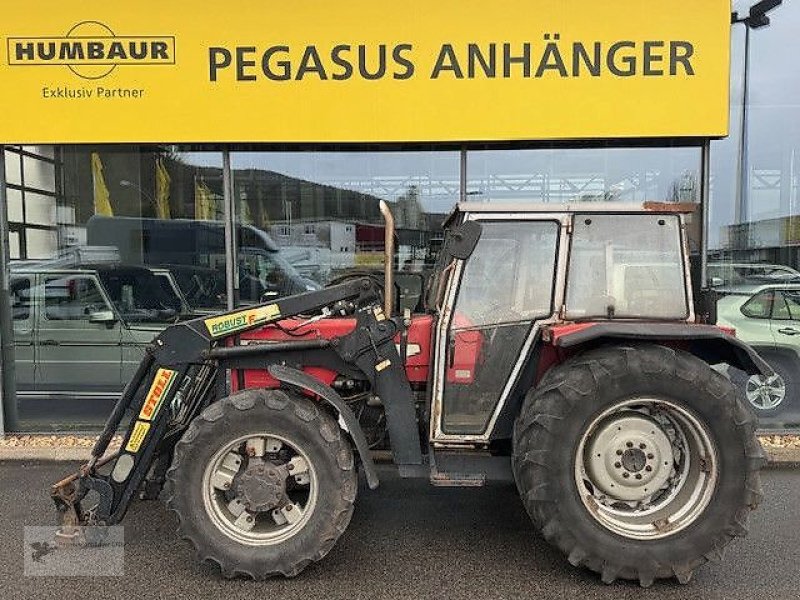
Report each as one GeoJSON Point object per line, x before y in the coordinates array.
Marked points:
{"type": "Point", "coordinates": [778, 457]}
{"type": "Point", "coordinates": [49, 454]}
{"type": "Point", "coordinates": [783, 457]}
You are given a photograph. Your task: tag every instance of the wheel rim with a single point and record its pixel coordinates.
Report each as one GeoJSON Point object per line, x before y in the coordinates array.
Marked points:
{"type": "Point", "coordinates": [260, 489]}
{"type": "Point", "coordinates": [765, 393]}
{"type": "Point", "coordinates": [646, 468]}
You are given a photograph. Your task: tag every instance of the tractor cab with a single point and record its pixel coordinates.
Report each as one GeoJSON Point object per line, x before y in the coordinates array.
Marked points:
{"type": "Point", "coordinates": [534, 268]}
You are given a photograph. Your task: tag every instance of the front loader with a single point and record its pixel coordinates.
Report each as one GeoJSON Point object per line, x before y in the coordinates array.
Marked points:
{"type": "Point", "coordinates": [558, 347]}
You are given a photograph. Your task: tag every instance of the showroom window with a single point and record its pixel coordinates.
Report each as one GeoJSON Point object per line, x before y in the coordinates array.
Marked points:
{"type": "Point", "coordinates": [754, 237]}
{"type": "Point", "coordinates": [304, 219]}
{"type": "Point", "coordinates": [604, 174]}
{"type": "Point", "coordinates": [124, 241]}
{"type": "Point", "coordinates": [32, 174]}
{"type": "Point", "coordinates": [321, 210]}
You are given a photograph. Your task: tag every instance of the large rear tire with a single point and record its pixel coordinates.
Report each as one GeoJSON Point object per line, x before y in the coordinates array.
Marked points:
{"type": "Point", "coordinates": [263, 483]}
{"type": "Point", "coordinates": [637, 462]}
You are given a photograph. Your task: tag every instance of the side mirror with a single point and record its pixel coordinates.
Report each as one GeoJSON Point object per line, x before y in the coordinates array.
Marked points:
{"type": "Point", "coordinates": [103, 316]}
{"type": "Point", "coordinates": [463, 239]}
{"type": "Point", "coordinates": [705, 306]}
{"type": "Point", "coordinates": [716, 282]}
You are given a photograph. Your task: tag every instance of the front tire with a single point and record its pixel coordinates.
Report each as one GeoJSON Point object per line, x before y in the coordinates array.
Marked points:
{"type": "Point", "coordinates": [263, 483]}
{"type": "Point", "coordinates": [582, 472]}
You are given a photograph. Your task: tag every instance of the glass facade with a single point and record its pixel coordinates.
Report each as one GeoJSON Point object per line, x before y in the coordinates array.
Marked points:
{"type": "Point", "coordinates": [755, 211]}
{"type": "Point", "coordinates": [584, 174]}
{"type": "Point", "coordinates": [110, 244]}
{"type": "Point", "coordinates": [321, 209]}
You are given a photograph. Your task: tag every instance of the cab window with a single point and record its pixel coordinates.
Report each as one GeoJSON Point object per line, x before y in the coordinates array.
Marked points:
{"type": "Point", "coordinates": [507, 284]}
{"type": "Point", "coordinates": [509, 276]}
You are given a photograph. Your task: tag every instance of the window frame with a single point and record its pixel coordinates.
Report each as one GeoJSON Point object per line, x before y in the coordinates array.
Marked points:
{"type": "Point", "coordinates": [445, 310]}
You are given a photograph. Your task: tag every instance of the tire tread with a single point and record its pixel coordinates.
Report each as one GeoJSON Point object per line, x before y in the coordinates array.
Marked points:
{"type": "Point", "coordinates": [274, 400]}
{"type": "Point", "coordinates": [535, 440]}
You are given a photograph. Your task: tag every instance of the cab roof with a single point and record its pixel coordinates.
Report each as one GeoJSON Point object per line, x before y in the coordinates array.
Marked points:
{"type": "Point", "coordinates": [522, 207]}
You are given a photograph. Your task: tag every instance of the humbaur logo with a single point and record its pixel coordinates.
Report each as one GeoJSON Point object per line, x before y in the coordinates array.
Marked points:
{"type": "Point", "coordinates": [91, 50]}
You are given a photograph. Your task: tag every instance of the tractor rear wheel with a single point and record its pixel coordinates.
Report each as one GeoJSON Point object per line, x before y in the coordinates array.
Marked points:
{"type": "Point", "coordinates": [263, 483]}
{"type": "Point", "coordinates": [637, 462]}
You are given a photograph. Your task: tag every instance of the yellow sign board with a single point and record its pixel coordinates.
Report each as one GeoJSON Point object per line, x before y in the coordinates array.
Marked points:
{"type": "Point", "coordinates": [362, 71]}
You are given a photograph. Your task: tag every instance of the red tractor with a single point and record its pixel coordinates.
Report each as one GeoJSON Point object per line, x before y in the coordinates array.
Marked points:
{"type": "Point", "coordinates": [557, 346]}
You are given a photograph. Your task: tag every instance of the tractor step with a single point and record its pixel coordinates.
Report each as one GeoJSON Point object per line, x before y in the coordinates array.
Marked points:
{"type": "Point", "coordinates": [457, 468]}
{"type": "Point", "coordinates": [440, 479]}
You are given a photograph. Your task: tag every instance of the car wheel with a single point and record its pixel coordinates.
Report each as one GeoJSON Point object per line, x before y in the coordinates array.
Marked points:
{"type": "Point", "coordinates": [772, 394]}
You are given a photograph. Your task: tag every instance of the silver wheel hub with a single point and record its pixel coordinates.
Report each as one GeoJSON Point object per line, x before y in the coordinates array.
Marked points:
{"type": "Point", "coordinates": [260, 490]}
{"type": "Point", "coordinates": [765, 393]}
{"type": "Point", "coordinates": [646, 468]}
{"type": "Point", "coordinates": [628, 458]}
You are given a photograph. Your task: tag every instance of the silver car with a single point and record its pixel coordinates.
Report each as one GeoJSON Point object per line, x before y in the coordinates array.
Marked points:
{"type": "Point", "coordinates": [767, 317]}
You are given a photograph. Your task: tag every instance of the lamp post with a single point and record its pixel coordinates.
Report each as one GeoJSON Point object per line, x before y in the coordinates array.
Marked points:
{"type": "Point", "coordinates": [756, 19]}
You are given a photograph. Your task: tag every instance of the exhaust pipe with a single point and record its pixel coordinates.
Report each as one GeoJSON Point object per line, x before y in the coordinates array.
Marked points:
{"type": "Point", "coordinates": [388, 258]}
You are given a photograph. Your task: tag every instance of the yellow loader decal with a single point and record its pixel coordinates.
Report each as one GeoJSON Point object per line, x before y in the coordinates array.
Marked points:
{"type": "Point", "coordinates": [158, 391]}
{"type": "Point", "coordinates": [226, 324]}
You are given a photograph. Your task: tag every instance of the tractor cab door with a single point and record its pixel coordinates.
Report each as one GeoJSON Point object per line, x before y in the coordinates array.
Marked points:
{"type": "Point", "coordinates": [494, 303]}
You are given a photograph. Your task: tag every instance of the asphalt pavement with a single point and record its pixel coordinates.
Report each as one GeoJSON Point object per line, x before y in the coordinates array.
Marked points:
{"type": "Point", "coordinates": [406, 540]}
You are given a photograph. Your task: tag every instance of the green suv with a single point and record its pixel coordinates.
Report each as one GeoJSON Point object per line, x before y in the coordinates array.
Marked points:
{"type": "Point", "coordinates": [767, 317]}
{"type": "Point", "coordinates": [80, 332]}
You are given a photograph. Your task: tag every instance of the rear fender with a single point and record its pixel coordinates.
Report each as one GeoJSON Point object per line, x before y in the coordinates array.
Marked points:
{"type": "Point", "coordinates": [708, 342]}
{"type": "Point", "coordinates": [347, 420]}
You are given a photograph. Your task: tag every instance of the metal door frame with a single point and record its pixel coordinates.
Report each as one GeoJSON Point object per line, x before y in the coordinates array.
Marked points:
{"type": "Point", "coordinates": [437, 435]}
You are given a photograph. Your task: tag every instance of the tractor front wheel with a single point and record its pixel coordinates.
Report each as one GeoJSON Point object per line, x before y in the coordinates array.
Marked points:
{"type": "Point", "coordinates": [263, 483]}
{"type": "Point", "coordinates": [637, 462]}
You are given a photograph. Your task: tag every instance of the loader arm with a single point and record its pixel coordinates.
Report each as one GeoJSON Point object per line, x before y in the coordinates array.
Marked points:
{"type": "Point", "coordinates": [177, 378]}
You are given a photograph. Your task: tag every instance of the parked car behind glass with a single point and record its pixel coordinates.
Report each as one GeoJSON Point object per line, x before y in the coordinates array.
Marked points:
{"type": "Point", "coordinates": [727, 274]}
{"type": "Point", "coordinates": [767, 317]}
{"type": "Point", "coordinates": [80, 332]}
